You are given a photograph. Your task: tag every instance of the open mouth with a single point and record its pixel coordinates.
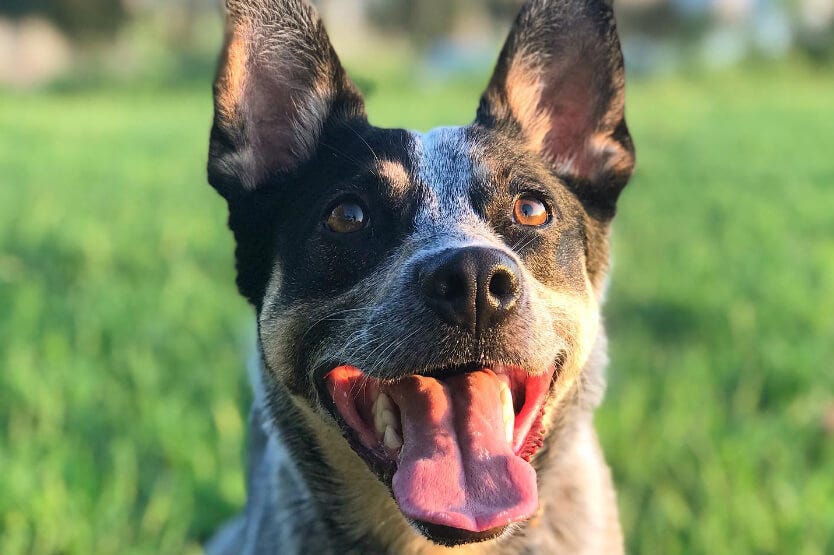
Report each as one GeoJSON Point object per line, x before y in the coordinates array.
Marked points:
{"type": "Point", "coordinates": [460, 443]}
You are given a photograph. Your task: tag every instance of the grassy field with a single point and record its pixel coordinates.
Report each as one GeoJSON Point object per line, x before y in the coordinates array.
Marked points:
{"type": "Point", "coordinates": [122, 339]}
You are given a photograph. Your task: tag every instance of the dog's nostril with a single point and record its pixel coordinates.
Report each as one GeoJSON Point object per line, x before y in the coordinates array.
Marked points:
{"type": "Point", "coordinates": [503, 285]}
{"type": "Point", "coordinates": [472, 287]}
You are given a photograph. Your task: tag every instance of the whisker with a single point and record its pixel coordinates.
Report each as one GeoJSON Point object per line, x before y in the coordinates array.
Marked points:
{"type": "Point", "coordinates": [328, 317]}
{"type": "Point", "coordinates": [343, 154]}
{"type": "Point", "coordinates": [361, 138]}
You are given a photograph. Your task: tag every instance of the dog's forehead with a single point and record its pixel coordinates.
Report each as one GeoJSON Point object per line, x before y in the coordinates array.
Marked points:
{"type": "Point", "coordinates": [446, 171]}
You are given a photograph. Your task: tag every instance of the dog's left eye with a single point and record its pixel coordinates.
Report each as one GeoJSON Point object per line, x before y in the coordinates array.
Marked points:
{"type": "Point", "coordinates": [529, 210]}
{"type": "Point", "coordinates": [346, 217]}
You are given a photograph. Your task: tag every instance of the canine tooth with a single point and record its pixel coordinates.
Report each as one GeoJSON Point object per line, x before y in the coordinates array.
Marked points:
{"type": "Point", "coordinates": [507, 411]}
{"type": "Point", "coordinates": [392, 439]}
{"type": "Point", "coordinates": [382, 402]}
{"type": "Point", "coordinates": [385, 415]}
{"type": "Point", "coordinates": [381, 406]}
{"type": "Point", "coordinates": [379, 427]}
{"type": "Point", "coordinates": [390, 419]}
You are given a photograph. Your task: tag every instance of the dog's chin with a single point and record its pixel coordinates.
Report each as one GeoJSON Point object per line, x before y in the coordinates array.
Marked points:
{"type": "Point", "coordinates": [453, 448]}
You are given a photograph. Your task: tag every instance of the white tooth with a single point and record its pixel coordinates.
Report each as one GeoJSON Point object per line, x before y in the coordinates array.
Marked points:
{"type": "Point", "coordinates": [390, 418]}
{"type": "Point", "coordinates": [379, 426]}
{"type": "Point", "coordinates": [508, 412]}
{"type": "Point", "coordinates": [383, 401]}
{"type": "Point", "coordinates": [392, 440]}
{"type": "Point", "coordinates": [385, 415]}
{"type": "Point", "coordinates": [380, 404]}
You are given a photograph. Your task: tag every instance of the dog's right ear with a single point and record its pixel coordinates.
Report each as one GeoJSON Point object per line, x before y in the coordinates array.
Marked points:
{"type": "Point", "coordinates": [559, 85]}
{"type": "Point", "coordinates": [278, 85]}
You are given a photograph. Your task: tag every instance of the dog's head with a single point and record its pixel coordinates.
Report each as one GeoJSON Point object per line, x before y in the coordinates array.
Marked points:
{"type": "Point", "coordinates": [431, 296]}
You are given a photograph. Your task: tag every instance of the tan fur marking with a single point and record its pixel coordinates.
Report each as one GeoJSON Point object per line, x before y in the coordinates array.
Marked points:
{"type": "Point", "coordinates": [618, 161]}
{"type": "Point", "coordinates": [524, 91]}
{"type": "Point", "coordinates": [233, 75]}
{"type": "Point", "coordinates": [395, 174]}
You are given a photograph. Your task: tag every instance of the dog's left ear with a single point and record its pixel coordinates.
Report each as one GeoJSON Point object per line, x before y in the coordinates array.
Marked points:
{"type": "Point", "coordinates": [559, 85]}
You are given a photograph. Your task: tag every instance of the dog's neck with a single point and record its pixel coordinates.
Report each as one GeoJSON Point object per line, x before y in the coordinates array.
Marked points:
{"type": "Point", "coordinates": [353, 510]}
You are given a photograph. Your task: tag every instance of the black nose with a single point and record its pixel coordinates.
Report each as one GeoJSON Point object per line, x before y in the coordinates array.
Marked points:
{"type": "Point", "coordinates": [473, 287]}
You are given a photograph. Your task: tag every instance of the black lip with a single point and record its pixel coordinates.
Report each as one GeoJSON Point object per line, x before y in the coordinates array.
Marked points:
{"type": "Point", "coordinates": [455, 370]}
{"type": "Point", "coordinates": [451, 537]}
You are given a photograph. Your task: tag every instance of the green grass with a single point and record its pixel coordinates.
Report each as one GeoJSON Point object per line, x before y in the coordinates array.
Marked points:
{"type": "Point", "coordinates": [122, 339]}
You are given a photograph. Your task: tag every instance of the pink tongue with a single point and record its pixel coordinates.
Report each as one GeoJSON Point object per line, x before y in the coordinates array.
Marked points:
{"type": "Point", "coordinates": [456, 467]}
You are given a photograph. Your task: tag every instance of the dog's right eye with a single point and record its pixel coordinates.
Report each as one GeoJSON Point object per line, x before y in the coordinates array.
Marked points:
{"type": "Point", "coordinates": [347, 216]}
{"type": "Point", "coordinates": [530, 210]}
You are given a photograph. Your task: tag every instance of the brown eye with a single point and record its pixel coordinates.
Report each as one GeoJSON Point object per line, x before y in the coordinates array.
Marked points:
{"type": "Point", "coordinates": [346, 217]}
{"type": "Point", "coordinates": [530, 211]}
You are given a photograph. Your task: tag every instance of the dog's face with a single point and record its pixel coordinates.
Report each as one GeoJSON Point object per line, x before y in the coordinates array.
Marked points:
{"type": "Point", "coordinates": [432, 296]}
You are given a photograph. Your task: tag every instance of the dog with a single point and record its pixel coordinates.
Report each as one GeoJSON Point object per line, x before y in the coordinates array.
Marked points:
{"type": "Point", "coordinates": [428, 304]}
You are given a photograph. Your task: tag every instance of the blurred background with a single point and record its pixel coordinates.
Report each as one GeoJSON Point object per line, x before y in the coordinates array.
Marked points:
{"type": "Point", "coordinates": [122, 339]}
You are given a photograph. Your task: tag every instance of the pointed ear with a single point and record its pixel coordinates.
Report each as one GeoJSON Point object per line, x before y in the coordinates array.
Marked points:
{"type": "Point", "coordinates": [559, 85]}
{"type": "Point", "coordinates": [279, 83]}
